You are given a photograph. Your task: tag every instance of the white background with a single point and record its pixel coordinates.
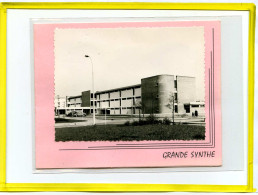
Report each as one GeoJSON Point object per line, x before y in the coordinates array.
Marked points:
{"type": "Point", "coordinates": [255, 160]}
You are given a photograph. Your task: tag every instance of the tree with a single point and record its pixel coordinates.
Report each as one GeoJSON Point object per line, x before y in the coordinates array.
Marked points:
{"type": "Point", "coordinates": [171, 105]}
{"type": "Point", "coordinates": [140, 105]}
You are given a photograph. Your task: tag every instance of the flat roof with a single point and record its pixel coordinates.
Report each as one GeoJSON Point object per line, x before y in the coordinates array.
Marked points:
{"type": "Point", "coordinates": [109, 90]}
{"type": "Point", "coordinates": [127, 87]}
{"type": "Point", "coordinates": [73, 108]}
{"type": "Point", "coordinates": [168, 75]}
{"type": "Point", "coordinates": [197, 103]}
{"type": "Point", "coordinates": [185, 76]}
{"type": "Point", "coordinates": [117, 89]}
{"type": "Point", "coordinates": [72, 97]}
{"type": "Point", "coordinates": [158, 75]}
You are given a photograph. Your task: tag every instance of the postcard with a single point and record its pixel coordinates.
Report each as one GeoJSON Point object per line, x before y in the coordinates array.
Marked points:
{"type": "Point", "coordinates": [127, 94]}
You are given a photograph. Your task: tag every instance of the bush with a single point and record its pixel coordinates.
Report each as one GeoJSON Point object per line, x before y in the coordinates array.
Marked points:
{"type": "Point", "coordinates": [142, 122]}
{"type": "Point", "coordinates": [152, 119]}
{"type": "Point", "coordinates": [160, 121]}
{"type": "Point", "coordinates": [139, 123]}
{"type": "Point", "coordinates": [135, 123]}
{"type": "Point", "coordinates": [166, 121]}
{"type": "Point", "coordinates": [127, 123]}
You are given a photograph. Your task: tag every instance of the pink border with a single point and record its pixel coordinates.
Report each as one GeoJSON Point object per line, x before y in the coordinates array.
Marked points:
{"type": "Point", "coordinates": [48, 154]}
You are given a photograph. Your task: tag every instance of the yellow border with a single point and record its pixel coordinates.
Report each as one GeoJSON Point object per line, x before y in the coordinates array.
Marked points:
{"type": "Point", "coordinates": [125, 187]}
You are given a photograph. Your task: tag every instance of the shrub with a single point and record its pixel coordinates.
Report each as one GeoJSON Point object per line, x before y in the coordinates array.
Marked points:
{"type": "Point", "coordinates": [142, 122]}
{"type": "Point", "coordinates": [135, 123]}
{"type": "Point", "coordinates": [152, 119]}
{"type": "Point", "coordinates": [127, 123]}
{"type": "Point", "coordinates": [160, 121]}
{"type": "Point", "coordinates": [166, 121]}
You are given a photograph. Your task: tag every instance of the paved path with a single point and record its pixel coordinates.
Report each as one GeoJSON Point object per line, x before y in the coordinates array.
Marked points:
{"type": "Point", "coordinates": [89, 121]}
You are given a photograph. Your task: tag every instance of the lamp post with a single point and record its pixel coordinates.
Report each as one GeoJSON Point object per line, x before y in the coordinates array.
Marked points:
{"type": "Point", "coordinates": [87, 56]}
{"type": "Point", "coordinates": [173, 110]}
{"type": "Point", "coordinates": [105, 116]}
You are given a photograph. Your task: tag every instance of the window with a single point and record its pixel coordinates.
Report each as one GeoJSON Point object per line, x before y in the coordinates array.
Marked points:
{"type": "Point", "coordinates": [175, 83]}
{"type": "Point", "coordinates": [176, 109]}
{"type": "Point", "coordinates": [187, 108]}
{"type": "Point", "coordinates": [195, 106]}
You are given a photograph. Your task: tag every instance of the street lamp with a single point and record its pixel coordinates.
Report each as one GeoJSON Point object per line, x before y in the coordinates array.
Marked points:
{"type": "Point", "coordinates": [87, 56]}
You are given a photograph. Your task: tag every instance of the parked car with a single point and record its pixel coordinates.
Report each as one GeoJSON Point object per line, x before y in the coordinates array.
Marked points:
{"type": "Point", "coordinates": [76, 114]}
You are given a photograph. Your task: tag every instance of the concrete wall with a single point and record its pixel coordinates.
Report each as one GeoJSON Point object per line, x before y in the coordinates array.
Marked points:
{"type": "Point", "coordinates": [137, 110]}
{"type": "Point", "coordinates": [115, 103]}
{"type": "Point", "coordinates": [85, 99]}
{"type": "Point", "coordinates": [166, 91]}
{"type": "Point", "coordinates": [104, 104]}
{"type": "Point", "coordinates": [104, 96]}
{"type": "Point", "coordinates": [127, 103]}
{"type": "Point", "coordinates": [137, 91]}
{"type": "Point", "coordinates": [126, 111]}
{"type": "Point", "coordinates": [155, 92]}
{"type": "Point", "coordinates": [114, 111]}
{"type": "Point", "coordinates": [115, 95]}
{"type": "Point", "coordinates": [127, 93]}
{"type": "Point", "coordinates": [149, 94]}
{"type": "Point", "coordinates": [137, 101]}
{"type": "Point", "coordinates": [185, 92]}
{"type": "Point", "coordinates": [75, 100]}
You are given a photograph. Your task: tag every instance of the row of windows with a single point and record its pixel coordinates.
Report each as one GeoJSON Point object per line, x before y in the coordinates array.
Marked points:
{"type": "Point", "coordinates": [123, 108]}
{"type": "Point", "coordinates": [91, 103]}
{"type": "Point", "coordinates": [129, 98]}
{"type": "Point", "coordinates": [117, 96]}
{"type": "Point", "coordinates": [120, 93]}
{"type": "Point", "coordinates": [197, 106]}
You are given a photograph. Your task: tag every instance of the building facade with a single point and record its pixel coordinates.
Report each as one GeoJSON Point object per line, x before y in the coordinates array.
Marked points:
{"type": "Point", "coordinates": [60, 104]}
{"type": "Point", "coordinates": [157, 94]}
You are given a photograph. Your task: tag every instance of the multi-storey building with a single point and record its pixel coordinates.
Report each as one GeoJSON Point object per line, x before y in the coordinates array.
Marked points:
{"type": "Point", "coordinates": [60, 104]}
{"type": "Point", "coordinates": [157, 94]}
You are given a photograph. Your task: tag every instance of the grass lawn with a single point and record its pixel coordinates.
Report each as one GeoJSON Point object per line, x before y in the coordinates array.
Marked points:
{"type": "Point", "coordinates": [130, 133]}
{"type": "Point", "coordinates": [63, 120]}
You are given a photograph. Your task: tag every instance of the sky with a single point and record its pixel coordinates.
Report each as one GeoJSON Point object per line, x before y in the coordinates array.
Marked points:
{"type": "Point", "coordinates": [123, 56]}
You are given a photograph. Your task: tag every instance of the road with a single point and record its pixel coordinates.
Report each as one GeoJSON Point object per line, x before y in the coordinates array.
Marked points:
{"type": "Point", "coordinates": [100, 120]}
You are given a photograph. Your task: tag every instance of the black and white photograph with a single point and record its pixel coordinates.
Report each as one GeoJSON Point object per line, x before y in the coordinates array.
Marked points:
{"type": "Point", "coordinates": [129, 84]}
